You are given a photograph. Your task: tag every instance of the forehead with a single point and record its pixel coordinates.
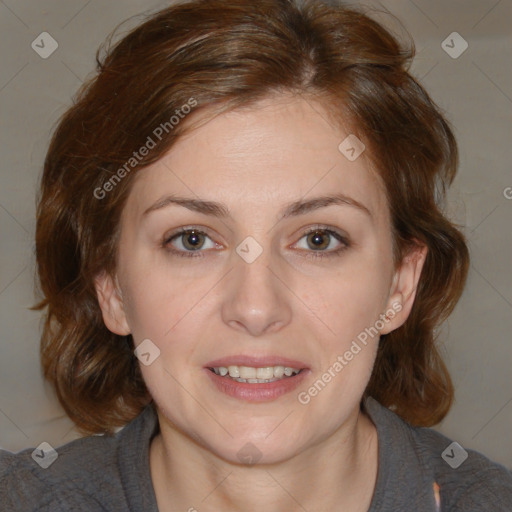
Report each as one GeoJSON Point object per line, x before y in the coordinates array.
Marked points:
{"type": "Point", "coordinates": [258, 158]}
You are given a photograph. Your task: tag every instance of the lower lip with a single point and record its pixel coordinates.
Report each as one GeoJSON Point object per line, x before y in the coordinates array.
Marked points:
{"type": "Point", "coordinates": [258, 392]}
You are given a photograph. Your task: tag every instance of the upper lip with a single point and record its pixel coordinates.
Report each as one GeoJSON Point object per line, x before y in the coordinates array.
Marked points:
{"type": "Point", "coordinates": [256, 362]}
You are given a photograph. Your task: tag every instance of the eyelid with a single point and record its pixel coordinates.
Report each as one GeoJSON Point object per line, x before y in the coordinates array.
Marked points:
{"type": "Point", "coordinates": [168, 238]}
{"type": "Point", "coordinates": [327, 228]}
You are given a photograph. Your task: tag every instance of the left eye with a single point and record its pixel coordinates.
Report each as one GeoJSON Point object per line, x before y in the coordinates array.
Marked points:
{"type": "Point", "coordinates": [320, 239]}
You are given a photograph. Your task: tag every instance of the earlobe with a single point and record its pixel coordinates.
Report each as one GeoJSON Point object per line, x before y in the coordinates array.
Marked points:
{"type": "Point", "coordinates": [404, 287]}
{"type": "Point", "coordinates": [111, 304]}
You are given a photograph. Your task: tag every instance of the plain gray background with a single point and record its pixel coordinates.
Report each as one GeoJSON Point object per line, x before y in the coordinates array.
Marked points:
{"type": "Point", "coordinates": [474, 89]}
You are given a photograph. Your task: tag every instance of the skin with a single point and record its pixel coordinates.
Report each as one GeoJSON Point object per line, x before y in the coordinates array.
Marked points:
{"type": "Point", "coordinates": [318, 456]}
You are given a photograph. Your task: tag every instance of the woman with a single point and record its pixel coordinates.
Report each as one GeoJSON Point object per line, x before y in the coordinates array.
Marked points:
{"type": "Point", "coordinates": [243, 258]}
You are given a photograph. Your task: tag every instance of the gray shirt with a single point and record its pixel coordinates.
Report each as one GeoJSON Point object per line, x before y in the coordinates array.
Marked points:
{"type": "Point", "coordinates": [111, 473]}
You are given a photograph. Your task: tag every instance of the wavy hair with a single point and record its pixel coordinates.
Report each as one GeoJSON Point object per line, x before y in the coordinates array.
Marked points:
{"type": "Point", "coordinates": [227, 54]}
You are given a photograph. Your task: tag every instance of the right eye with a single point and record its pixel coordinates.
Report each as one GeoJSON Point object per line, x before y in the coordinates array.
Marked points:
{"type": "Point", "coordinates": [188, 241]}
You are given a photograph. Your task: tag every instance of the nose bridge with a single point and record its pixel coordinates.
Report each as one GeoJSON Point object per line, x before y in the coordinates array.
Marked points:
{"type": "Point", "coordinates": [256, 298]}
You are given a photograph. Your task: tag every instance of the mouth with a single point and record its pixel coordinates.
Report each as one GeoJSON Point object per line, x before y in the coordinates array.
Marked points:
{"type": "Point", "coordinates": [253, 379]}
{"type": "Point", "coordinates": [255, 375]}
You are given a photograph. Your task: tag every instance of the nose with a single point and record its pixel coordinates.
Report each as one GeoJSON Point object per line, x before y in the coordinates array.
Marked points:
{"type": "Point", "coordinates": [257, 299]}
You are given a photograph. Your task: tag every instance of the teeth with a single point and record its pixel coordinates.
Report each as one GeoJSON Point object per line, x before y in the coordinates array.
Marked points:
{"type": "Point", "coordinates": [265, 373]}
{"type": "Point", "coordinates": [278, 371]}
{"type": "Point", "coordinates": [255, 375]}
{"type": "Point", "coordinates": [234, 371]}
{"type": "Point", "coordinates": [246, 372]}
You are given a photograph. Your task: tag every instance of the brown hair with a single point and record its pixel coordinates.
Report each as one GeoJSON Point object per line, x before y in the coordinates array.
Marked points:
{"type": "Point", "coordinates": [224, 54]}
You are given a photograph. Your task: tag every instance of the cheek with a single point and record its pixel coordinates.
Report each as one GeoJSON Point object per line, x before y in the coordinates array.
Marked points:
{"type": "Point", "coordinates": [173, 320]}
{"type": "Point", "coordinates": [352, 299]}
{"type": "Point", "coordinates": [159, 301]}
{"type": "Point", "coordinates": [349, 304]}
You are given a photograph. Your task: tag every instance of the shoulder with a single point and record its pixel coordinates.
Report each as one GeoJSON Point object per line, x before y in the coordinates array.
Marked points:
{"type": "Point", "coordinates": [42, 479]}
{"type": "Point", "coordinates": [471, 481]}
{"type": "Point", "coordinates": [85, 474]}
{"type": "Point", "coordinates": [467, 480]}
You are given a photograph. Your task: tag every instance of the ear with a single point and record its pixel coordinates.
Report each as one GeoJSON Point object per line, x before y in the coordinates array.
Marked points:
{"type": "Point", "coordinates": [111, 304]}
{"type": "Point", "coordinates": [403, 288]}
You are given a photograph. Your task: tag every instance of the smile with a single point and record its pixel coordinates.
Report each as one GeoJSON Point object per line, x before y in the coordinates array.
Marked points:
{"type": "Point", "coordinates": [254, 375]}
{"type": "Point", "coordinates": [261, 384]}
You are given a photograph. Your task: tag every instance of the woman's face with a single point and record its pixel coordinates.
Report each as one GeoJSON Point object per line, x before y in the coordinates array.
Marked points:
{"type": "Point", "coordinates": [253, 289]}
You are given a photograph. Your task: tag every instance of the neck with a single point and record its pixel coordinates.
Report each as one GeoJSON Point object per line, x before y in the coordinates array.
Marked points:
{"type": "Point", "coordinates": [337, 473]}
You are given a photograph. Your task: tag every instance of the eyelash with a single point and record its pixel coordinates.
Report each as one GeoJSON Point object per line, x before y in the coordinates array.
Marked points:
{"type": "Point", "coordinates": [311, 254]}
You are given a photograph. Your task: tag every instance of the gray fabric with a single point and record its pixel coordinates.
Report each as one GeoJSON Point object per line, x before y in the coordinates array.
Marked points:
{"type": "Point", "coordinates": [111, 473]}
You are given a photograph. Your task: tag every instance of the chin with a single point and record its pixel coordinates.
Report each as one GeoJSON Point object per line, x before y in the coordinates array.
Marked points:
{"type": "Point", "coordinates": [248, 451]}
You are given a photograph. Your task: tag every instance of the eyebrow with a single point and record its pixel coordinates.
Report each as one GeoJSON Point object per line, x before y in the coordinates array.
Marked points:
{"type": "Point", "coordinates": [293, 209]}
